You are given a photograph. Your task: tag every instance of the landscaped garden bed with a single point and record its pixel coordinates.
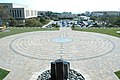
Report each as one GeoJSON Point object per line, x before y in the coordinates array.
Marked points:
{"type": "Point", "coordinates": [118, 74]}
{"type": "Point", "coordinates": [3, 73]}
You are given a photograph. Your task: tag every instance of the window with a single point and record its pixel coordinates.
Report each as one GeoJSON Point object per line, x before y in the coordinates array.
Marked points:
{"type": "Point", "coordinates": [27, 13]}
{"type": "Point", "coordinates": [31, 12]}
{"type": "Point", "coordinates": [20, 13]}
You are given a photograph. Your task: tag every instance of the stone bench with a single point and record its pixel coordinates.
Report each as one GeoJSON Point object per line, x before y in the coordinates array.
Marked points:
{"type": "Point", "coordinates": [118, 32]}
{"type": "Point", "coordinates": [2, 28]}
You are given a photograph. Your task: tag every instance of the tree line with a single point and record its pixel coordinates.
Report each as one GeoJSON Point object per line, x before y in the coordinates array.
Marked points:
{"type": "Point", "coordinates": [107, 21]}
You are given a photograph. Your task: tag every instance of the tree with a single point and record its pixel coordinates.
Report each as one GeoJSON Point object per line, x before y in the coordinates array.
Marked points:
{"type": "Point", "coordinates": [117, 22]}
{"type": "Point", "coordinates": [73, 26]}
{"type": "Point", "coordinates": [12, 21]}
{"type": "Point", "coordinates": [42, 19]}
{"type": "Point", "coordinates": [33, 23]}
{"type": "Point", "coordinates": [55, 25]}
{"type": "Point", "coordinates": [4, 14]}
{"type": "Point", "coordinates": [48, 13]}
{"type": "Point", "coordinates": [94, 18]}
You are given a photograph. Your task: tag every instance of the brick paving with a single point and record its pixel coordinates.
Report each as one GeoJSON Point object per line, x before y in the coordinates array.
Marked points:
{"type": "Point", "coordinates": [96, 56]}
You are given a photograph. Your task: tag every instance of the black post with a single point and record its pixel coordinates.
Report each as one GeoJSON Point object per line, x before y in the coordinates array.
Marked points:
{"type": "Point", "coordinates": [66, 70]}
{"type": "Point", "coordinates": [53, 71]}
{"type": "Point", "coordinates": [60, 70]}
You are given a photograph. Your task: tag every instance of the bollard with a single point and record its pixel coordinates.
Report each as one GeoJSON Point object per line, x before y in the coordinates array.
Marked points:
{"type": "Point", "coordinates": [60, 70]}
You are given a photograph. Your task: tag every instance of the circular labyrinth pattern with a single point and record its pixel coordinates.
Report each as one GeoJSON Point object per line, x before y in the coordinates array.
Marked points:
{"type": "Point", "coordinates": [83, 46]}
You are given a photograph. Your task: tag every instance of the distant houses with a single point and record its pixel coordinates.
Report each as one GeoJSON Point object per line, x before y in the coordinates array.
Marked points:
{"type": "Point", "coordinates": [64, 15]}
{"type": "Point", "coordinates": [67, 15]}
{"type": "Point", "coordinates": [105, 13]}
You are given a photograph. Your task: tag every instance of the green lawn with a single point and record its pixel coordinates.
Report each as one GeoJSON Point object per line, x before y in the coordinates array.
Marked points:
{"type": "Point", "coordinates": [3, 73]}
{"type": "Point", "coordinates": [22, 30]}
{"type": "Point", "coordinates": [118, 74]}
{"type": "Point", "coordinates": [103, 31]}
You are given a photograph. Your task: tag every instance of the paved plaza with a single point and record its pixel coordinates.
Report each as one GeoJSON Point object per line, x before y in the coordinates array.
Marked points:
{"type": "Point", "coordinates": [96, 56]}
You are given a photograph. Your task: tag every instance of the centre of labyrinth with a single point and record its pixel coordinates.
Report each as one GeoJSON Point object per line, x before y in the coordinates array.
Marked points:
{"type": "Point", "coordinates": [83, 46]}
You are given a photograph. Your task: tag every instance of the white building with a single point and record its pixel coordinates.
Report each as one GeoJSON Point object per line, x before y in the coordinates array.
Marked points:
{"type": "Point", "coordinates": [19, 12]}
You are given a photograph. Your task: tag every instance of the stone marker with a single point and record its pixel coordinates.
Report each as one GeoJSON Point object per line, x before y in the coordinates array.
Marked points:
{"type": "Point", "coordinates": [60, 70]}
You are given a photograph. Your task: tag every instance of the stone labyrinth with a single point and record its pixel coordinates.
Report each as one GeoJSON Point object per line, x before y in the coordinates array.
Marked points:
{"type": "Point", "coordinates": [83, 45]}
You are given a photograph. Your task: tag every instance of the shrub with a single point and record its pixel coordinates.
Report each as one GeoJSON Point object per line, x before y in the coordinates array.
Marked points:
{"type": "Point", "coordinates": [33, 23]}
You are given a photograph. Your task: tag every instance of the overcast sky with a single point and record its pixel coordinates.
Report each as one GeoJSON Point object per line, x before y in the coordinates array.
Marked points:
{"type": "Point", "coordinates": [75, 6]}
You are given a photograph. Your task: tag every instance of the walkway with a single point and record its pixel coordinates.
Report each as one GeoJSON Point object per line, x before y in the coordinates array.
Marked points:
{"type": "Point", "coordinates": [96, 56]}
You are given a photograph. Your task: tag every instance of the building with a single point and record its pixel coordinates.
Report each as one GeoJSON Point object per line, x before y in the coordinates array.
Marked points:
{"type": "Point", "coordinates": [105, 13]}
{"type": "Point", "coordinates": [19, 12]}
{"type": "Point", "coordinates": [41, 13]}
{"type": "Point", "coordinates": [67, 15]}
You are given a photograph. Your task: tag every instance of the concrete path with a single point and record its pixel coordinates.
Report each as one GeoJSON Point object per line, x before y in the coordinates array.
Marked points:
{"type": "Point", "coordinates": [96, 56]}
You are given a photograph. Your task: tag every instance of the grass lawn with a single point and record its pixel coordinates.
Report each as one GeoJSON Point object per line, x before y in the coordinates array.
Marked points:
{"type": "Point", "coordinates": [22, 30]}
{"type": "Point", "coordinates": [104, 31]}
{"type": "Point", "coordinates": [3, 73]}
{"type": "Point", "coordinates": [118, 74]}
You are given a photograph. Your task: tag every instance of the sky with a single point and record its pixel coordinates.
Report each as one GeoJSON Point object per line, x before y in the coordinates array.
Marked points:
{"type": "Point", "coordinates": [74, 6]}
